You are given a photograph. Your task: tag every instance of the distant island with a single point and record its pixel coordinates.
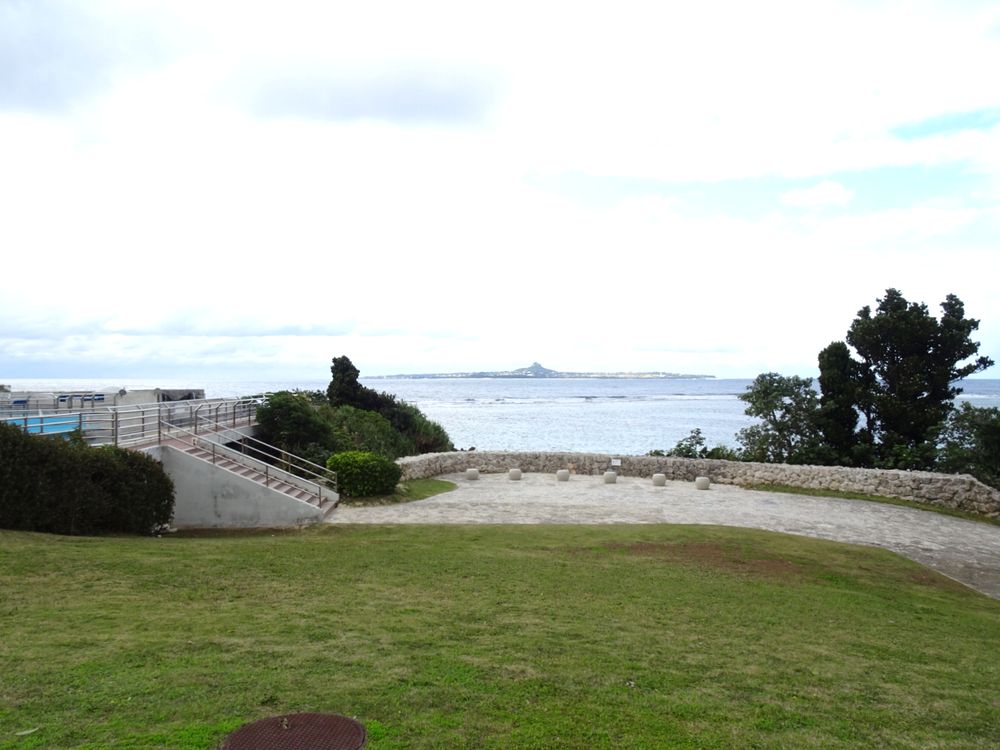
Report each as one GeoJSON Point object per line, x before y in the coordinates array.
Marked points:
{"type": "Point", "coordinates": [537, 372]}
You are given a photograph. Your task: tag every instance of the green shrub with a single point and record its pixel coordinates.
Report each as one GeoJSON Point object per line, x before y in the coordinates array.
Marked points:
{"type": "Point", "coordinates": [353, 418]}
{"type": "Point", "coordinates": [137, 495]}
{"type": "Point", "coordinates": [971, 443]}
{"type": "Point", "coordinates": [420, 435]}
{"type": "Point", "coordinates": [66, 487]}
{"type": "Point", "coordinates": [361, 430]}
{"type": "Point", "coordinates": [364, 474]}
{"type": "Point", "coordinates": [427, 436]}
{"type": "Point", "coordinates": [291, 421]}
{"type": "Point", "coordinates": [694, 446]}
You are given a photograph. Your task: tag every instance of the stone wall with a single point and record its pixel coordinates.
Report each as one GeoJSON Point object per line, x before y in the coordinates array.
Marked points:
{"type": "Point", "coordinates": [959, 491]}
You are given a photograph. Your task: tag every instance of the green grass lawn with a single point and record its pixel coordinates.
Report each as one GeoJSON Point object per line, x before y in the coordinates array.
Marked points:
{"type": "Point", "coordinates": [414, 489]}
{"type": "Point", "coordinates": [493, 637]}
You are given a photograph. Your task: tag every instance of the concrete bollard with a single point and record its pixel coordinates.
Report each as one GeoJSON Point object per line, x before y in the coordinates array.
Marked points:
{"type": "Point", "coordinates": [610, 477]}
{"type": "Point", "coordinates": [659, 480]}
{"type": "Point", "coordinates": [514, 474]}
{"type": "Point", "coordinates": [472, 473]}
{"type": "Point", "coordinates": [562, 475]}
{"type": "Point", "coordinates": [701, 483]}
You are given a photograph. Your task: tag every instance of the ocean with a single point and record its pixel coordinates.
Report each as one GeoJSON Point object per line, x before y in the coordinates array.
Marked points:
{"type": "Point", "coordinates": [617, 416]}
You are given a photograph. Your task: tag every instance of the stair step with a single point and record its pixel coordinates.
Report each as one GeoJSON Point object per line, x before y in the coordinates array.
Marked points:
{"type": "Point", "coordinates": [301, 493]}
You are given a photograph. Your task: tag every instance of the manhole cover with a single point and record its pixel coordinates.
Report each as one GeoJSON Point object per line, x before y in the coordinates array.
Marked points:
{"type": "Point", "coordinates": [298, 732]}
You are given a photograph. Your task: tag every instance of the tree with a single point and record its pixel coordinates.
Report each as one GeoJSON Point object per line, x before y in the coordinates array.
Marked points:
{"type": "Point", "coordinates": [840, 384]}
{"type": "Point", "coordinates": [420, 433]}
{"type": "Point", "coordinates": [694, 446]}
{"type": "Point", "coordinates": [971, 444]}
{"type": "Point", "coordinates": [788, 408]}
{"type": "Point", "coordinates": [345, 390]}
{"type": "Point", "coordinates": [909, 364]}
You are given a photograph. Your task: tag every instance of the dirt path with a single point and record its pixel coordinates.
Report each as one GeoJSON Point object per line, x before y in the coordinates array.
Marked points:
{"type": "Point", "coordinates": [964, 550]}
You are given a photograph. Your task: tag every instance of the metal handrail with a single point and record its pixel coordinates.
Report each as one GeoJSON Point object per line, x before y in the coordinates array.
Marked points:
{"type": "Point", "coordinates": [249, 462]}
{"type": "Point", "coordinates": [272, 451]}
{"type": "Point", "coordinates": [18, 402]}
{"type": "Point", "coordinates": [47, 424]}
{"type": "Point", "coordinates": [125, 425]}
{"type": "Point", "coordinates": [140, 423]}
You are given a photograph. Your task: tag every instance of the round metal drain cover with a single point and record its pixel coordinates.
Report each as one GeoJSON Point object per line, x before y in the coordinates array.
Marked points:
{"type": "Point", "coordinates": [298, 732]}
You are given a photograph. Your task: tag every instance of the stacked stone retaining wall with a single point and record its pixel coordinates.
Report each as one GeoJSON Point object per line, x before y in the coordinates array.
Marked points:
{"type": "Point", "coordinates": [959, 491]}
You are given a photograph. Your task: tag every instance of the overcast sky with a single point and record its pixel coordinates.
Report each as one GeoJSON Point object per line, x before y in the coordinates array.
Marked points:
{"type": "Point", "coordinates": [248, 189]}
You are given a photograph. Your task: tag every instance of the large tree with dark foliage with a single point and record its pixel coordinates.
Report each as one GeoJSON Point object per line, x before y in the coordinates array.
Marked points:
{"type": "Point", "coordinates": [900, 386]}
{"type": "Point", "coordinates": [837, 419]}
{"type": "Point", "coordinates": [909, 364]}
{"type": "Point", "coordinates": [345, 390]}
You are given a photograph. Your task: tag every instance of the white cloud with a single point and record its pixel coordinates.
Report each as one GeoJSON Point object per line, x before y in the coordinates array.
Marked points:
{"type": "Point", "coordinates": [166, 220]}
{"type": "Point", "coordinates": [820, 195]}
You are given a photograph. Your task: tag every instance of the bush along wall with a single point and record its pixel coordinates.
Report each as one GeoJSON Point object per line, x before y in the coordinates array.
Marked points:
{"type": "Point", "coordinates": [363, 474]}
{"type": "Point", "coordinates": [66, 487]}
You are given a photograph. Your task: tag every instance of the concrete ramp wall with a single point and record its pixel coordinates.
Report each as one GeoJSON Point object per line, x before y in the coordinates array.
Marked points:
{"type": "Point", "coordinates": [208, 496]}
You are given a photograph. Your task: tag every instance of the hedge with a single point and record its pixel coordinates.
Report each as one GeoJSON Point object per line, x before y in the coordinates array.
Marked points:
{"type": "Point", "coordinates": [62, 486]}
{"type": "Point", "coordinates": [363, 474]}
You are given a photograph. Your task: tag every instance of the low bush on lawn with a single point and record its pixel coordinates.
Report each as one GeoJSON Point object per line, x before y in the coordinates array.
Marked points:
{"type": "Point", "coordinates": [363, 474]}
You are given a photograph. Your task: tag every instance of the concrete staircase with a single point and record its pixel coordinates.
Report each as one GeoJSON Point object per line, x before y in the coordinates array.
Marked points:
{"type": "Point", "coordinates": [270, 477]}
{"type": "Point", "coordinates": [225, 477]}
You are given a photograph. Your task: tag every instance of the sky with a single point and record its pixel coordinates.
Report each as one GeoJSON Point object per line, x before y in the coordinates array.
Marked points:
{"type": "Point", "coordinates": [242, 189]}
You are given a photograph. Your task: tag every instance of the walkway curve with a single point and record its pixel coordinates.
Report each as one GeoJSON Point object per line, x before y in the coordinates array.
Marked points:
{"type": "Point", "coordinates": [968, 551]}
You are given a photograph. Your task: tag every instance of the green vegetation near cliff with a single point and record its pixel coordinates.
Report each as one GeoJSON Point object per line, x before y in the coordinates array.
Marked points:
{"type": "Point", "coordinates": [348, 417]}
{"type": "Point", "coordinates": [885, 400]}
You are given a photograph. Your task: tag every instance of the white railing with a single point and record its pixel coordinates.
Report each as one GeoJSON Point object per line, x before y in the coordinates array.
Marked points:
{"type": "Point", "coordinates": [47, 424]}
{"type": "Point", "coordinates": [142, 423]}
{"type": "Point", "coordinates": [29, 403]}
{"type": "Point", "coordinates": [26, 403]}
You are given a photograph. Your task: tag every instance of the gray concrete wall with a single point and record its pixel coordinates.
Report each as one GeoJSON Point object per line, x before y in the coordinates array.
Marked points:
{"type": "Point", "coordinates": [959, 491]}
{"type": "Point", "coordinates": [226, 441]}
{"type": "Point", "coordinates": [208, 496]}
